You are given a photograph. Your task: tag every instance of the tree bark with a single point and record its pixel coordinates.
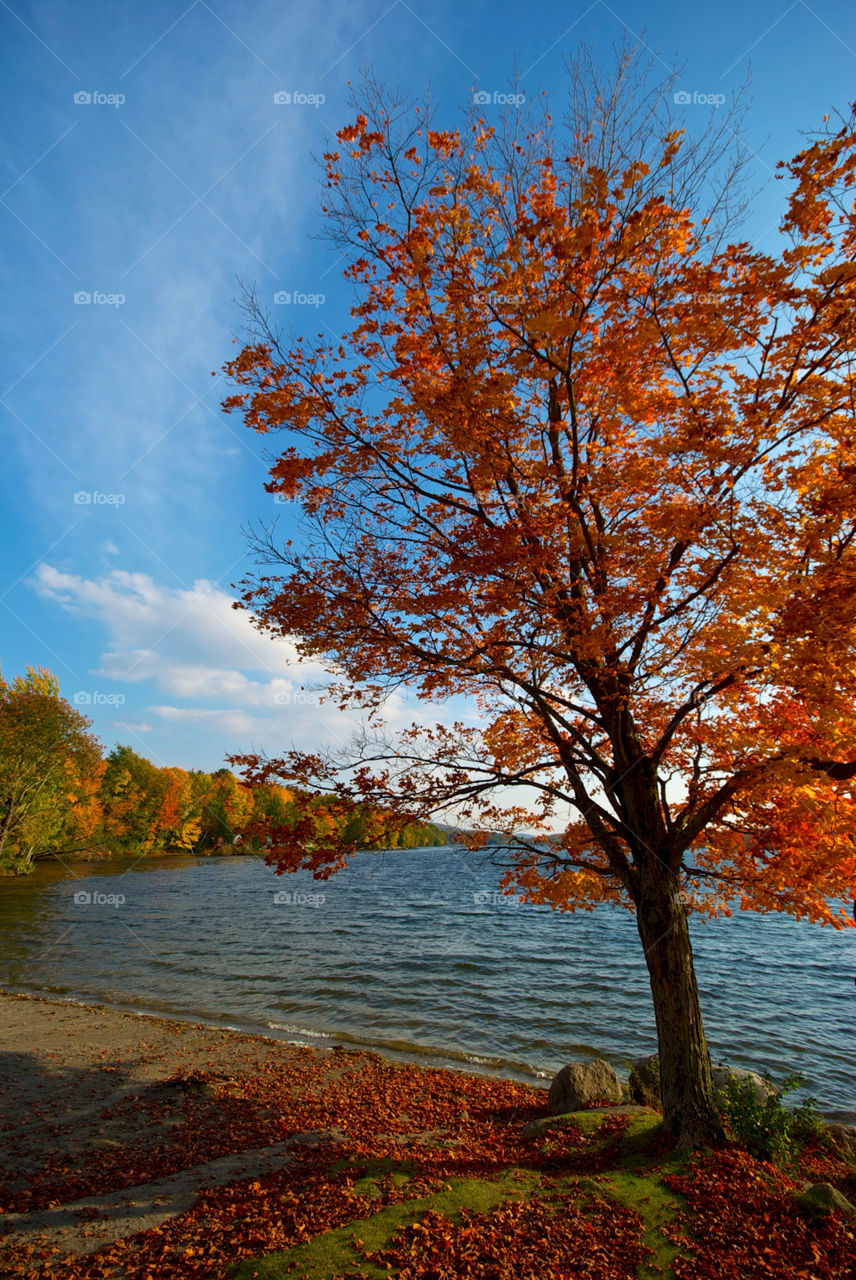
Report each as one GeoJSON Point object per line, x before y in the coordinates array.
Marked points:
{"type": "Point", "coordinates": [686, 1085]}
{"type": "Point", "coordinates": [6, 823]}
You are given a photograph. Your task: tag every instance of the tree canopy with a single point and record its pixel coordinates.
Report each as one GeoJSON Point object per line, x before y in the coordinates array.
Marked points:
{"type": "Point", "coordinates": [49, 767]}
{"type": "Point", "coordinates": [590, 461]}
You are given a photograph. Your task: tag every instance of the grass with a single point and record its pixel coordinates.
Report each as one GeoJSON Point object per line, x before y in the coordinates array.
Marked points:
{"type": "Point", "coordinates": [656, 1206]}
{"type": "Point", "coordinates": [636, 1183]}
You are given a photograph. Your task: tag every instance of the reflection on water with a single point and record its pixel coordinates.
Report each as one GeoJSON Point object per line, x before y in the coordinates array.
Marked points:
{"type": "Point", "coordinates": [414, 952]}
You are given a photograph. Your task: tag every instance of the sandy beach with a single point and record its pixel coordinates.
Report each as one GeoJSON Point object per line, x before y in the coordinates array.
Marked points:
{"type": "Point", "coordinates": [92, 1099]}
{"type": "Point", "coordinates": [112, 1123]}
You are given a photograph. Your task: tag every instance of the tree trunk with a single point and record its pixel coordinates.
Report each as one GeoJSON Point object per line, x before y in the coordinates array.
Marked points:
{"type": "Point", "coordinates": [686, 1086]}
{"type": "Point", "coordinates": [6, 823]}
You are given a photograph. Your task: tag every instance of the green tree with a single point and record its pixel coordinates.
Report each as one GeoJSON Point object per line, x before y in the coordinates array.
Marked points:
{"type": "Point", "coordinates": [46, 753]}
{"type": "Point", "coordinates": [132, 793]}
{"type": "Point", "coordinates": [226, 807]}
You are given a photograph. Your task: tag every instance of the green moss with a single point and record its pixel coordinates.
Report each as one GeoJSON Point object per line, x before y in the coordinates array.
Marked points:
{"type": "Point", "coordinates": [371, 1187]}
{"type": "Point", "coordinates": [587, 1121]}
{"type": "Point", "coordinates": [637, 1149]}
{"type": "Point", "coordinates": [634, 1181]}
{"type": "Point", "coordinates": [591, 1120]}
{"type": "Point", "coordinates": [823, 1198]}
{"type": "Point", "coordinates": [333, 1252]}
{"type": "Point", "coordinates": [656, 1206]}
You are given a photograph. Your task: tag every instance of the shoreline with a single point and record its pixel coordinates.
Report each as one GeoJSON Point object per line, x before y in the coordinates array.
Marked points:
{"type": "Point", "coordinates": [93, 859]}
{"type": "Point", "coordinates": [428, 1060]}
{"type": "Point", "coordinates": [455, 1013]}
{"type": "Point", "coordinates": [308, 1037]}
{"type": "Point", "coordinates": [113, 1122]}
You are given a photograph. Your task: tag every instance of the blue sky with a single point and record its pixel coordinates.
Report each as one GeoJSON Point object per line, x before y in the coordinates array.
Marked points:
{"type": "Point", "coordinates": [147, 166]}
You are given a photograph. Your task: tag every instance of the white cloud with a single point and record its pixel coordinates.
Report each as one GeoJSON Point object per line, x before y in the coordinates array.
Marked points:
{"type": "Point", "coordinates": [190, 644]}
{"type": "Point", "coordinates": [242, 691]}
{"type": "Point", "coordinates": [228, 719]}
{"type": "Point", "coordinates": [189, 640]}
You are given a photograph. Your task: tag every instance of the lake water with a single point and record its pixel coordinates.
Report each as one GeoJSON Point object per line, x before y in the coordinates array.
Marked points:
{"type": "Point", "coordinates": [414, 953]}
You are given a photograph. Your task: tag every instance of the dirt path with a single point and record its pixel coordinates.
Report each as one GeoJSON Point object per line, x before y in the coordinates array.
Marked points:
{"type": "Point", "coordinates": [86, 1225]}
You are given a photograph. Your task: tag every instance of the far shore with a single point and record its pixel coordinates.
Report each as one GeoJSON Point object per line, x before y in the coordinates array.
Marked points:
{"type": "Point", "coordinates": [94, 858]}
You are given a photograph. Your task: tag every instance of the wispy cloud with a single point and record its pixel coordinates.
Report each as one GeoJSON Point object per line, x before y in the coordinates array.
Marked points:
{"type": "Point", "coordinates": [241, 687]}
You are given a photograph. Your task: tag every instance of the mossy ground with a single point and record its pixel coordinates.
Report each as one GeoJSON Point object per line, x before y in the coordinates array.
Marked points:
{"type": "Point", "coordinates": [334, 1253]}
{"type": "Point", "coordinates": [631, 1177]}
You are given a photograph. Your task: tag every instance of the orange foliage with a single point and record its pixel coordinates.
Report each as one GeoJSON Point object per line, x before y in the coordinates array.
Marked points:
{"type": "Point", "coordinates": [587, 463]}
{"type": "Point", "coordinates": [601, 477]}
{"type": "Point", "coordinates": [432, 1126]}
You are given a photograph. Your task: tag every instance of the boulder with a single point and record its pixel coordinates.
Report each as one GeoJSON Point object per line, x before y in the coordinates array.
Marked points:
{"type": "Point", "coordinates": [761, 1087]}
{"type": "Point", "coordinates": [644, 1082]}
{"type": "Point", "coordinates": [579, 1084]}
{"type": "Point", "coordinates": [823, 1198]}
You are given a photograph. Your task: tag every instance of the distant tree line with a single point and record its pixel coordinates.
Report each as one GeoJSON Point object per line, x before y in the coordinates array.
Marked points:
{"type": "Point", "coordinates": [61, 796]}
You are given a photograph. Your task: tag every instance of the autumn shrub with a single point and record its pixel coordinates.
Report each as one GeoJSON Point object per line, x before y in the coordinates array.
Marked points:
{"type": "Point", "coordinates": [767, 1129]}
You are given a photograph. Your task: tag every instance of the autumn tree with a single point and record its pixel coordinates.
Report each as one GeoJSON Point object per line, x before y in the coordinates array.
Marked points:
{"type": "Point", "coordinates": [82, 825]}
{"type": "Point", "coordinates": [48, 760]}
{"type": "Point", "coordinates": [226, 810]}
{"type": "Point", "coordinates": [178, 823]}
{"type": "Point", "coordinates": [132, 794]}
{"type": "Point", "coordinates": [589, 460]}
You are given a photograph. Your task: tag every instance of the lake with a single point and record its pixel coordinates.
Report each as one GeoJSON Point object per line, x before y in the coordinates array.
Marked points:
{"type": "Point", "coordinates": [415, 954]}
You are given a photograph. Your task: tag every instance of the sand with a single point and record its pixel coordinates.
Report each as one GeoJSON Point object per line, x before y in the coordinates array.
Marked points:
{"type": "Point", "coordinates": [80, 1082]}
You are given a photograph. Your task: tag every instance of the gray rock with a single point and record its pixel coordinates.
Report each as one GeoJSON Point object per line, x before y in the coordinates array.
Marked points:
{"type": "Point", "coordinates": [644, 1082]}
{"type": "Point", "coordinates": [579, 1084]}
{"type": "Point", "coordinates": [824, 1198]}
{"type": "Point", "coordinates": [762, 1088]}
